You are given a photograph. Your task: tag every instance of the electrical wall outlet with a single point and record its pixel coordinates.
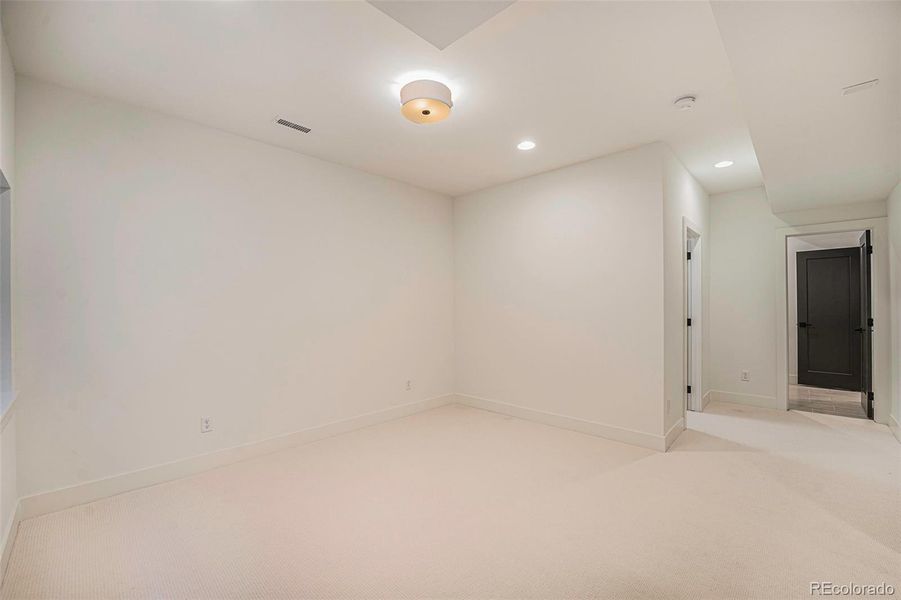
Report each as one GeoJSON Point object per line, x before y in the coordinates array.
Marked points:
{"type": "Point", "coordinates": [409, 386]}
{"type": "Point", "coordinates": [206, 424]}
{"type": "Point", "coordinates": [746, 376]}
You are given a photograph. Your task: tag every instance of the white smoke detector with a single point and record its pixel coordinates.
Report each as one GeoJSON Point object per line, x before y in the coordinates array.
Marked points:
{"type": "Point", "coordinates": [685, 103]}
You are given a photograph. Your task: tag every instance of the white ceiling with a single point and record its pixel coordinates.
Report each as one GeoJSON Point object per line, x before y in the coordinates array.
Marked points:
{"type": "Point", "coordinates": [825, 241]}
{"type": "Point", "coordinates": [791, 61]}
{"type": "Point", "coordinates": [441, 22]}
{"type": "Point", "coordinates": [582, 79]}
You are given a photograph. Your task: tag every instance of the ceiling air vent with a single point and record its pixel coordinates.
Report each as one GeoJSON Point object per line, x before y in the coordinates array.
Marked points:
{"type": "Point", "coordinates": [288, 123]}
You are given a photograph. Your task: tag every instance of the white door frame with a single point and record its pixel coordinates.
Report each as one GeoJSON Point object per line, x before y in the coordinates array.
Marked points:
{"type": "Point", "coordinates": [881, 298]}
{"type": "Point", "coordinates": [692, 339]}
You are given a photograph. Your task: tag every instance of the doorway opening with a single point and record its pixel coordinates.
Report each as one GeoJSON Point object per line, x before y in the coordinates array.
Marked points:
{"type": "Point", "coordinates": [693, 320]}
{"type": "Point", "coordinates": [830, 323]}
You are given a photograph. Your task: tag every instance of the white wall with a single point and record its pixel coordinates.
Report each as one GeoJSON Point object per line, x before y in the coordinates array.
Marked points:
{"type": "Point", "coordinates": [894, 210]}
{"type": "Point", "coordinates": [168, 271]}
{"type": "Point", "coordinates": [743, 295]}
{"type": "Point", "coordinates": [894, 214]}
{"type": "Point", "coordinates": [559, 292]}
{"type": "Point", "coordinates": [9, 493]}
{"type": "Point", "coordinates": [684, 198]}
{"type": "Point", "coordinates": [7, 166]}
{"type": "Point", "coordinates": [9, 490]}
{"type": "Point", "coordinates": [7, 110]}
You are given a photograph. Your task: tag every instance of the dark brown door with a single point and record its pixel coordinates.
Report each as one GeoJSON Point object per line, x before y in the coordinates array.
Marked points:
{"type": "Point", "coordinates": [829, 310]}
{"type": "Point", "coordinates": [865, 328]}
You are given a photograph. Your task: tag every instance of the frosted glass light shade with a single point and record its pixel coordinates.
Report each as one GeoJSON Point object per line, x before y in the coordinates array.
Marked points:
{"type": "Point", "coordinates": [425, 101]}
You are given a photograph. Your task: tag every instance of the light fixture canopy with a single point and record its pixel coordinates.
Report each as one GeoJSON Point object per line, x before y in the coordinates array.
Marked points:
{"type": "Point", "coordinates": [723, 164]}
{"type": "Point", "coordinates": [526, 145]}
{"type": "Point", "coordinates": [425, 101]}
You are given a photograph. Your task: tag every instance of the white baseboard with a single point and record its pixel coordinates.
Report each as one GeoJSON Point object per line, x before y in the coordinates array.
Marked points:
{"type": "Point", "coordinates": [52, 501]}
{"type": "Point", "coordinates": [749, 399]}
{"type": "Point", "coordinates": [895, 427]}
{"type": "Point", "coordinates": [705, 400]}
{"type": "Point", "coordinates": [9, 537]}
{"type": "Point", "coordinates": [674, 432]}
{"type": "Point", "coordinates": [610, 432]}
{"type": "Point", "coordinates": [793, 378]}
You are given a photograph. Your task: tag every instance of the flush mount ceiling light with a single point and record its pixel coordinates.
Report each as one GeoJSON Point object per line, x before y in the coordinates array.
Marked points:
{"type": "Point", "coordinates": [723, 164]}
{"type": "Point", "coordinates": [685, 103]}
{"type": "Point", "coordinates": [425, 101]}
{"type": "Point", "coordinates": [526, 145]}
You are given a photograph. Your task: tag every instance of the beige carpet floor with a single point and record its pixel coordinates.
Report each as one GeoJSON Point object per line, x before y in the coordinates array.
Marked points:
{"type": "Point", "coordinates": [462, 503]}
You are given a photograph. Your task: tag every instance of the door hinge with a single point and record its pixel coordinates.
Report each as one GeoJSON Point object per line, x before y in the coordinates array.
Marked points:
{"type": "Point", "coordinates": [871, 396]}
{"type": "Point", "coordinates": [870, 249]}
{"type": "Point", "coordinates": [689, 321]}
{"type": "Point", "coordinates": [870, 322]}
{"type": "Point", "coordinates": [689, 256]}
{"type": "Point", "coordinates": [689, 389]}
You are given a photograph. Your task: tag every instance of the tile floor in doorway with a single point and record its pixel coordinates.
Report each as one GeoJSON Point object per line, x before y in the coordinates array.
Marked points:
{"type": "Point", "coordinates": [830, 402]}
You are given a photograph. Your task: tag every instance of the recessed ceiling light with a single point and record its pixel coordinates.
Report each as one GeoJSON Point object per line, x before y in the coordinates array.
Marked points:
{"type": "Point", "coordinates": [723, 164]}
{"type": "Point", "coordinates": [526, 145]}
